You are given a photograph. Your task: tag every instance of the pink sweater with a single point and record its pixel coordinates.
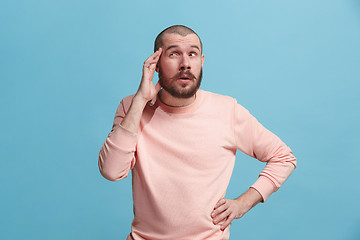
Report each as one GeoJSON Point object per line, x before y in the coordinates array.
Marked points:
{"type": "Point", "coordinates": [182, 160]}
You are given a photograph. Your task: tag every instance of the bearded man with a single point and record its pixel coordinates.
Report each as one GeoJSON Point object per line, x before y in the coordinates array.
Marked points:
{"type": "Point", "coordinates": [180, 143]}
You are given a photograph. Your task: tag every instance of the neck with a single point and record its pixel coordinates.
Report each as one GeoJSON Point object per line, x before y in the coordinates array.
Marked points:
{"type": "Point", "coordinates": [172, 101]}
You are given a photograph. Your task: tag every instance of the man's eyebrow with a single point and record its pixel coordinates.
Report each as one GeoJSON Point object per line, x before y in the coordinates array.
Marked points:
{"type": "Point", "coordinates": [172, 46]}
{"type": "Point", "coordinates": [195, 46]}
{"type": "Point", "coordinates": [176, 46]}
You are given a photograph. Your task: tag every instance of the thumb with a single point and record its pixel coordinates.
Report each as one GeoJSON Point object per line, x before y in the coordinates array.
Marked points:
{"type": "Point", "coordinates": [157, 87]}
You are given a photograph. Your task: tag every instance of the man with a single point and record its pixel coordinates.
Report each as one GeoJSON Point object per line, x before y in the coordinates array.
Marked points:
{"type": "Point", "coordinates": [180, 143]}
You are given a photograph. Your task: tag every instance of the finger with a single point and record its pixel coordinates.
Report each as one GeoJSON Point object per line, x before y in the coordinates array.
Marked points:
{"type": "Point", "coordinates": [220, 202]}
{"type": "Point", "coordinates": [222, 216]}
{"type": "Point", "coordinates": [219, 208]}
{"type": "Point", "coordinates": [154, 56]}
{"type": "Point", "coordinates": [149, 64]}
{"type": "Point", "coordinates": [227, 222]}
{"type": "Point", "coordinates": [219, 216]}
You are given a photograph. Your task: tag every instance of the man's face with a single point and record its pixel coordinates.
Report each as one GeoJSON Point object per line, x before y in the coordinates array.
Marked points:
{"type": "Point", "coordinates": [180, 65]}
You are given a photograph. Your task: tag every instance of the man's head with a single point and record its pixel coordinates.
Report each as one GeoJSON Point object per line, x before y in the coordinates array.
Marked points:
{"type": "Point", "coordinates": [176, 29]}
{"type": "Point", "coordinates": [181, 62]}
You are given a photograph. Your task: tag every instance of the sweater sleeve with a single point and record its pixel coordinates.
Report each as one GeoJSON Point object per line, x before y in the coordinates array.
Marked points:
{"type": "Point", "coordinates": [117, 155]}
{"type": "Point", "coordinates": [256, 141]}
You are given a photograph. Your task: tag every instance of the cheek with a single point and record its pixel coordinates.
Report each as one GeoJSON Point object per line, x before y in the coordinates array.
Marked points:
{"type": "Point", "coordinates": [169, 65]}
{"type": "Point", "coordinates": [198, 65]}
{"type": "Point", "coordinates": [173, 61]}
{"type": "Point", "coordinates": [166, 69]}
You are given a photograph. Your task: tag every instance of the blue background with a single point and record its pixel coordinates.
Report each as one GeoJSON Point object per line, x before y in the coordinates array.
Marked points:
{"type": "Point", "coordinates": [65, 65]}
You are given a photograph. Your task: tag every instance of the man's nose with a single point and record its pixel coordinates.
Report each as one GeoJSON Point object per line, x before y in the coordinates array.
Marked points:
{"type": "Point", "coordinates": [185, 63]}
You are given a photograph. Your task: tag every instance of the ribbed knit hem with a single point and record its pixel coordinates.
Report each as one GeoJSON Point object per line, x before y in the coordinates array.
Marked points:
{"type": "Point", "coordinates": [264, 186]}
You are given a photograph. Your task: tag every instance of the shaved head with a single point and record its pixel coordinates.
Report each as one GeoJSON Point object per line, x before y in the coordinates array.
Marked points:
{"type": "Point", "coordinates": [176, 29]}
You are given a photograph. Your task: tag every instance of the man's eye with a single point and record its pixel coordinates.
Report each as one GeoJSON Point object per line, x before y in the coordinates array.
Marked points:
{"type": "Point", "coordinates": [172, 54]}
{"type": "Point", "coordinates": [192, 54]}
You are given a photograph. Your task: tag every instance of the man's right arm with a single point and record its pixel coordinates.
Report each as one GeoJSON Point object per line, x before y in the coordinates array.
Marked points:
{"type": "Point", "coordinates": [116, 156]}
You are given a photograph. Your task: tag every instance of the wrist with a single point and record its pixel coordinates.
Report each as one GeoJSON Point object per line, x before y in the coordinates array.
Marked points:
{"type": "Point", "coordinates": [139, 100]}
{"type": "Point", "coordinates": [250, 198]}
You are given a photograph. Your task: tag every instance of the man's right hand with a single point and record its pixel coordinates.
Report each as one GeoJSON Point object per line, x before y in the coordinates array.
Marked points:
{"type": "Point", "coordinates": [147, 90]}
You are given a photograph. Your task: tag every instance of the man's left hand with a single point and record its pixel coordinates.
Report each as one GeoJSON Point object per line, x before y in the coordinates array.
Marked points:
{"type": "Point", "coordinates": [227, 209]}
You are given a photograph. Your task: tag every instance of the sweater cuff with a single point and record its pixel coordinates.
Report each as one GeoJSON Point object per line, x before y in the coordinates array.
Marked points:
{"type": "Point", "coordinates": [264, 186]}
{"type": "Point", "coordinates": [124, 138]}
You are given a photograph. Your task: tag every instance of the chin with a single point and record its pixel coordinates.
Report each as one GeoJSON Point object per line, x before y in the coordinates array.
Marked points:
{"type": "Point", "coordinates": [180, 90]}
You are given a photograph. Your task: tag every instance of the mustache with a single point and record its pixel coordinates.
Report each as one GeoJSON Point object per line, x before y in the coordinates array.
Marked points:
{"type": "Point", "coordinates": [181, 73]}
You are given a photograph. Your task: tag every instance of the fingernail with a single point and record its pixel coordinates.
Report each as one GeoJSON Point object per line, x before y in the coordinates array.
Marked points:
{"type": "Point", "coordinates": [212, 214]}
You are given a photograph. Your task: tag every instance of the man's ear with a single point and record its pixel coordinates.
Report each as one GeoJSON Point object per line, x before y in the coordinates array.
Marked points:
{"type": "Point", "coordinates": [203, 60]}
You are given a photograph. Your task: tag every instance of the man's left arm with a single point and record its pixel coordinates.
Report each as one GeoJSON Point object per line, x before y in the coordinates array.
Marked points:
{"type": "Point", "coordinates": [258, 142]}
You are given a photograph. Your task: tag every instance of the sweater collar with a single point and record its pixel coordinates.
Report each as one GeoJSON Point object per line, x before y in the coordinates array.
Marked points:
{"type": "Point", "coordinates": [189, 108]}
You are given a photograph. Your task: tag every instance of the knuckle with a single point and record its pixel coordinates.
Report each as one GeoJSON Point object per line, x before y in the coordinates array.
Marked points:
{"type": "Point", "coordinates": [223, 209]}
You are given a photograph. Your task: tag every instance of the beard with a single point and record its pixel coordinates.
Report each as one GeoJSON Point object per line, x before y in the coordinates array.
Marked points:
{"type": "Point", "coordinates": [180, 90]}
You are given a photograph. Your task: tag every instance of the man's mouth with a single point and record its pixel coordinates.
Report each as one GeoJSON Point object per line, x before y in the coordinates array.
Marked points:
{"type": "Point", "coordinates": [185, 77]}
{"type": "Point", "coordinates": [183, 80]}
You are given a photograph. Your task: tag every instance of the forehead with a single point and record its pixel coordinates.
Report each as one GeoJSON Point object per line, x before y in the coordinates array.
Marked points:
{"type": "Point", "coordinates": [173, 39]}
